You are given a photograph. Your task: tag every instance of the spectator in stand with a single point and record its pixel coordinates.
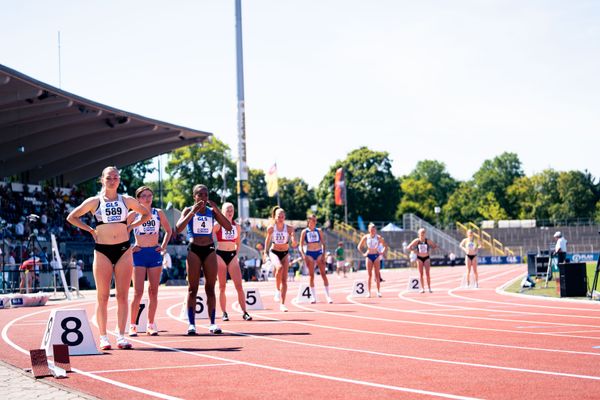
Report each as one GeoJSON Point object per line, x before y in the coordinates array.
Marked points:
{"type": "Point", "coordinates": [560, 248]}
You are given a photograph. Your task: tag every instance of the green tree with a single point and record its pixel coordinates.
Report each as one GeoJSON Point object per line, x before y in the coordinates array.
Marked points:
{"type": "Point", "coordinates": [495, 176]}
{"type": "Point", "coordinates": [295, 198]}
{"type": "Point", "coordinates": [204, 164]}
{"type": "Point", "coordinates": [418, 197]}
{"type": "Point", "coordinates": [490, 209]}
{"type": "Point", "coordinates": [260, 202]}
{"type": "Point", "coordinates": [577, 199]}
{"type": "Point", "coordinates": [534, 196]}
{"type": "Point", "coordinates": [372, 190]}
{"type": "Point", "coordinates": [462, 205]}
{"type": "Point", "coordinates": [133, 176]}
{"type": "Point", "coordinates": [435, 173]}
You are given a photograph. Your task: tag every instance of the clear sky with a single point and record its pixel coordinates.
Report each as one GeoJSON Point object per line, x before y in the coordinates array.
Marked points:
{"type": "Point", "coordinates": [455, 81]}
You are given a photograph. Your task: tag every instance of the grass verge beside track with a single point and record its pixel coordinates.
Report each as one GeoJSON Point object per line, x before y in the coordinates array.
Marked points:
{"type": "Point", "coordinates": [551, 290]}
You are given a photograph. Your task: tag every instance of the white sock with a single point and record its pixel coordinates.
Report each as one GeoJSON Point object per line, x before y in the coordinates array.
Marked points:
{"type": "Point", "coordinates": [312, 291]}
{"type": "Point", "coordinates": [327, 290]}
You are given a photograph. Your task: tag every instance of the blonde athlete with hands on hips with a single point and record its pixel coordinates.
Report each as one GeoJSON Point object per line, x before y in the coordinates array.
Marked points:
{"type": "Point", "coordinates": [422, 246]}
{"type": "Point", "coordinates": [314, 255]}
{"type": "Point", "coordinates": [147, 259]}
{"type": "Point", "coordinates": [277, 249]}
{"type": "Point", "coordinates": [228, 245]}
{"type": "Point", "coordinates": [373, 255]}
{"type": "Point", "coordinates": [471, 246]}
{"type": "Point", "coordinates": [112, 251]}
{"type": "Point", "coordinates": [199, 220]}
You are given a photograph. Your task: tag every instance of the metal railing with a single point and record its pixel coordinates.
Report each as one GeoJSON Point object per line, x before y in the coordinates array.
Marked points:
{"type": "Point", "coordinates": [443, 240]}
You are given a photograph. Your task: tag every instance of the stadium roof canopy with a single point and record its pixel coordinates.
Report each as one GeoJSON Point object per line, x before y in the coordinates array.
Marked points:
{"type": "Point", "coordinates": [48, 133]}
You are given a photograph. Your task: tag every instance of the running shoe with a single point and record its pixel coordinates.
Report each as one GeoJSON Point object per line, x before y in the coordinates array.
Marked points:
{"type": "Point", "coordinates": [247, 316]}
{"type": "Point", "coordinates": [476, 285]}
{"type": "Point", "coordinates": [225, 316]}
{"type": "Point", "coordinates": [277, 296]}
{"type": "Point", "coordinates": [122, 343]}
{"type": "Point", "coordinates": [329, 300]}
{"type": "Point", "coordinates": [104, 343]}
{"type": "Point", "coordinates": [283, 308]}
{"type": "Point", "coordinates": [152, 330]}
{"type": "Point", "coordinates": [422, 291]}
{"type": "Point", "coordinates": [191, 330]}
{"type": "Point", "coordinates": [430, 291]}
{"type": "Point", "coordinates": [132, 330]}
{"type": "Point", "coordinates": [378, 294]}
{"type": "Point", "coordinates": [214, 329]}
{"type": "Point", "coordinates": [313, 300]}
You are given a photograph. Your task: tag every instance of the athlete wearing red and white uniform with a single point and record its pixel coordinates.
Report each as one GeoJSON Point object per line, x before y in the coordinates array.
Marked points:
{"type": "Point", "coordinates": [228, 245]}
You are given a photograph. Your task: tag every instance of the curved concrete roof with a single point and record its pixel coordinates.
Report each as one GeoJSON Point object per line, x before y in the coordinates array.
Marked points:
{"type": "Point", "coordinates": [46, 132]}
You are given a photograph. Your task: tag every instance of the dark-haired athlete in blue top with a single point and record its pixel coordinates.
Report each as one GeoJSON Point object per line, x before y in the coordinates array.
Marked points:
{"type": "Point", "coordinates": [199, 221]}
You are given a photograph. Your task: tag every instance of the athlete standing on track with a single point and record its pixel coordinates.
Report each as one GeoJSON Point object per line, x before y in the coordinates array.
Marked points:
{"type": "Point", "coordinates": [422, 245]}
{"type": "Point", "coordinates": [280, 234]}
{"type": "Point", "coordinates": [147, 259]}
{"type": "Point", "coordinates": [314, 254]}
{"type": "Point", "coordinates": [470, 246]}
{"type": "Point", "coordinates": [373, 256]}
{"type": "Point", "coordinates": [200, 220]}
{"type": "Point", "coordinates": [112, 249]}
{"type": "Point", "coordinates": [228, 245]}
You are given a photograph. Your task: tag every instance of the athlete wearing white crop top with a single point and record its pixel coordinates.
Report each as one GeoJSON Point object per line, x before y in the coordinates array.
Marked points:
{"type": "Point", "coordinates": [471, 246]}
{"type": "Point", "coordinates": [277, 248]}
{"type": "Point", "coordinates": [112, 251]}
{"type": "Point", "coordinates": [375, 247]}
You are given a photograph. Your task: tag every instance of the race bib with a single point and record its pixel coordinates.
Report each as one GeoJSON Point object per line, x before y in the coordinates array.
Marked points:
{"type": "Point", "coordinates": [229, 235]}
{"type": "Point", "coordinates": [312, 236]}
{"type": "Point", "coordinates": [203, 225]}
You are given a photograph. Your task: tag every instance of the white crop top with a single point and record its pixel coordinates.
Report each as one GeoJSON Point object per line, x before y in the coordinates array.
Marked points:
{"type": "Point", "coordinates": [280, 237]}
{"type": "Point", "coordinates": [110, 212]}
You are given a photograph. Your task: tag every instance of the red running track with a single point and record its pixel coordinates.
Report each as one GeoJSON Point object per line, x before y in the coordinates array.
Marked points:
{"type": "Point", "coordinates": [452, 343]}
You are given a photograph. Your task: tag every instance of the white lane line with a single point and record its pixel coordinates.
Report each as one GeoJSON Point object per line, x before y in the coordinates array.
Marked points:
{"type": "Point", "coordinates": [84, 373]}
{"type": "Point", "coordinates": [403, 321]}
{"type": "Point", "coordinates": [296, 372]}
{"type": "Point", "coordinates": [108, 371]}
{"type": "Point", "coordinates": [473, 300]}
{"type": "Point", "coordinates": [344, 349]}
{"type": "Point", "coordinates": [413, 300]}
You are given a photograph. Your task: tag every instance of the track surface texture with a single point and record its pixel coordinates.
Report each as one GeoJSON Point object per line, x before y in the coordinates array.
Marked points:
{"type": "Point", "coordinates": [452, 343]}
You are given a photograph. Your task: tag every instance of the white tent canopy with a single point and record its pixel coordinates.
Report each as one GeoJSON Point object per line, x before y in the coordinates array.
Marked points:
{"type": "Point", "coordinates": [391, 228]}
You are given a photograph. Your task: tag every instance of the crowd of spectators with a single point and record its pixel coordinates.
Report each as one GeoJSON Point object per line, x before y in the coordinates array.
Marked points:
{"type": "Point", "coordinates": [49, 207]}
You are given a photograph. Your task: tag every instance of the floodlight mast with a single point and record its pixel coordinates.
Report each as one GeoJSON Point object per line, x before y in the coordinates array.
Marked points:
{"type": "Point", "coordinates": [242, 167]}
